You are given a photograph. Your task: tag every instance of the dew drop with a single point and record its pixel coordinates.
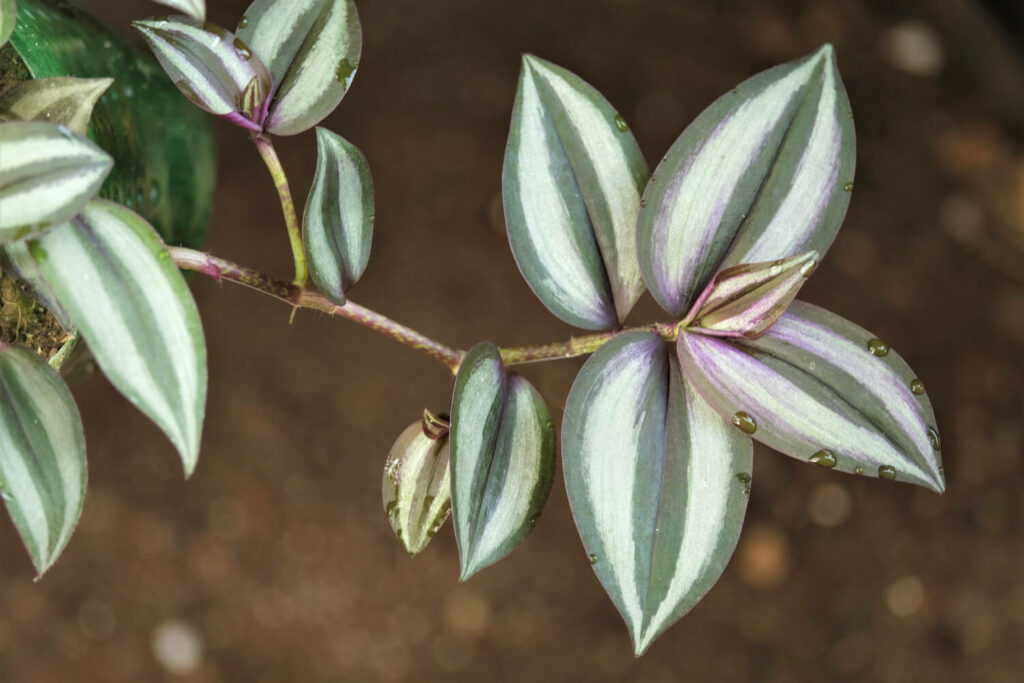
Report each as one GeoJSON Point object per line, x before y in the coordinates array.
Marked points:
{"type": "Point", "coordinates": [933, 437]}
{"type": "Point", "coordinates": [643, 203]}
{"type": "Point", "coordinates": [824, 458]}
{"type": "Point", "coordinates": [848, 187]}
{"type": "Point", "coordinates": [244, 22]}
{"type": "Point", "coordinates": [877, 347]}
{"type": "Point", "coordinates": [917, 387]}
{"type": "Point", "coordinates": [163, 256]}
{"type": "Point", "coordinates": [620, 123]}
{"type": "Point", "coordinates": [744, 478]}
{"type": "Point", "coordinates": [593, 558]}
{"type": "Point", "coordinates": [242, 49]}
{"type": "Point", "coordinates": [746, 424]}
{"type": "Point", "coordinates": [887, 472]}
{"type": "Point", "coordinates": [858, 470]}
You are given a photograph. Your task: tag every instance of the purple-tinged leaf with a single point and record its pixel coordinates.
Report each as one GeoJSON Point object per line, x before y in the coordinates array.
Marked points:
{"type": "Point", "coordinates": [312, 49]}
{"type": "Point", "coordinates": [62, 100]}
{"type": "Point", "coordinates": [763, 173]}
{"type": "Point", "coordinates": [657, 482]}
{"type": "Point", "coordinates": [821, 389]}
{"type": "Point", "coordinates": [193, 8]}
{"type": "Point", "coordinates": [214, 69]}
{"type": "Point", "coordinates": [744, 301]}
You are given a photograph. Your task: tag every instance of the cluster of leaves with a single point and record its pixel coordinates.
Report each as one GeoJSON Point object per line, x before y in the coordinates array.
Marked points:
{"type": "Point", "coordinates": [657, 432]}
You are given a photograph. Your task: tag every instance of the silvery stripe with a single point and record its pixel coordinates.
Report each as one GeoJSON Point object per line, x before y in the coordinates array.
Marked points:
{"type": "Point", "coordinates": [42, 454]}
{"type": "Point", "coordinates": [417, 486]}
{"type": "Point", "coordinates": [62, 100]}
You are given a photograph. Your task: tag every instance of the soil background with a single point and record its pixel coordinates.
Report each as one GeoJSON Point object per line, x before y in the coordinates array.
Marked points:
{"type": "Point", "coordinates": [275, 562]}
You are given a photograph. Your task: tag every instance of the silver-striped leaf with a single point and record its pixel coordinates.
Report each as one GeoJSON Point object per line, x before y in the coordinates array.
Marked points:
{"type": "Point", "coordinates": [571, 186]}
{"type": "Point", "coordinates": [502, 458]}
{"type": "Point", "coordinates": [417, 489]}
{"type": "Point", "coordinates": [47, 174]}
{"type": "Point", "coordinates": [42, 454]}
{"type": "Point", "coordinates": [61, 99]}
{"type": "Point", "coordinates": [821, 389]}
{"type": "Point", "coordinates": [122, 291]}
{"type": "Point", "coordinates": [763, 173]}
{"type": "Point", "coordinates": [312, 49]}
{"type": "Point", "coordinates": [657, 482]}
{"type": "Point", "coordinates": [212, 67]}
{"type": "Point", "coordinates": [8, 18]}
{"type": "Point", "coordinates": [337, 225]}
{"type": "Point", "coordinates": [193, 8]}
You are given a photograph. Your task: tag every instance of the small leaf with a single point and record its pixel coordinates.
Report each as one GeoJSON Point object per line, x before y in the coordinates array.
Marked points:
{"type": "Point", "coordinates": [124, 294]}
{"type": "Point", "coordinates": [47, 174]}
{"type": "Point", "coordinates": [417, 483]}
{"type": "Point", "coordinates": [193, 8]}
{"type": "Point", "coordinates": [337, 226]}
{"type": "Point", "coordinates": [502, 459]}
{"type": "Point", "coordinates": [657, 482]}
{"type": "Point", "coordinates": [8, 18]}
{"type": "Point", "coordinates": [821, 389]}
{"type": "Point", "coordinates": [212, 67]}
{"type": "Point", "coordinates": [571, 188]}
{"type": "Point", "coordinates": [42, 454]}
{"type": "Point", "coordinates": [312, 49]}
{"type": "Point", "coordinates": [61, 99]}
{"type": "Point", "coordinates": [763, 173]}
{"type": "Point", "coordinates": [744, 301]}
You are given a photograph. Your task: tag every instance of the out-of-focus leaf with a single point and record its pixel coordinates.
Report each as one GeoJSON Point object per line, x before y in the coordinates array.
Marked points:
{"type": "Point", "coordinates": [123, 292]}
{"type": "Point", "coordinates": [763, 173]}
{"type": "Point", "coordinates": [417, 482]}
{"type": "Point", "coordinates": [212, 67]}
{"type": "Point", "coordinates": [502, 459]}
{"type": "Point", "coordinates": [312, 49]}
{"type": "Point", "coordinates": [337, 226]}
{"type": "Point", "coordinates": [744, 301]}
{"type": "Point", "coordinates": [821, 389]}
{"type": "Point", "coordinates": [42, 454]}
{"type": "Point", "coordinates": [571, 188]}
{"type": "Point", "coordinates": [193, 8]}
{"type": "Point", "coordinates": [8, 18]}
{"type": "Point", "coordinates": [657, 482]}
{"type": "Point", "coordinates": [61, 99]}
{"type": "Point", "coordinates": [16, 260]}
{"type": "Point", "coordinates": [47, 174]}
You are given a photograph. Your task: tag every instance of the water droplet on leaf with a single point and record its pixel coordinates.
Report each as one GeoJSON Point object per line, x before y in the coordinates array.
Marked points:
{"type": "Point", "coordinates": [620, 123]}
{"type": "Point", "coordinates": [244, 22]}
{"type": "Point", "coordinates": [744, 478]}
{"type": "Point", "coordinates": [824, 458]}
{"type": "Point", "coordinates": [593, 558]}
{"type": "Point", "coordinates": [933, 437]}
{"type": "Point", "coordinates": [887, 472]}
{"type": "Point", "coordinates": [877, 347]}
{"type": "Point", "coordinates": [746, 424]}
{"type": "Point", "coordinates": [643, 203]}
{"type": "Point", "coordinates": [858, 470]}
{"type": "Point", "coordinates": [848, 187]}
{"type": "Point", "coordinates": [917, 387]}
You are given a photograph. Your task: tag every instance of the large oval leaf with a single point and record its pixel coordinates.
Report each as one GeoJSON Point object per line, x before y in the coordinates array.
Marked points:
{"type": "Point", "coordinates": [821, 389]}
{"type": "Point", "coordinates": [42, 454]}
{"type": "Point", "coordinates": [212, 67]}
{"type": "Point", "coordinates": [502, 458]}
{"type": "Point", "coordinates": [571, 188]}
{"type": "Point", "coordinates": [122, 291]}
{"type": "Point", "coordinates": [657, 482]}
{"type": "Point", "coordinates": [763, 173]}
{"type": "Point", "coordinates": [61, 99]}
{"type": "Point", "coordinates": [312, 49]}
{"type": "Point", "coordinates": [47, 174]}
{"type": "Point", "coordinates": [337, 225]}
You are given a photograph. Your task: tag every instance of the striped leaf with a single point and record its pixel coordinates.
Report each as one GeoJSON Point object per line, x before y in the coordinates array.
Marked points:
{"type": "Point", "coordinates": [417, 482]}
{"type": "Point", "coordinates": [42, 454]}
{"type": "Point", "coordinates": [657, 482]}
{"type": "Point", "coordinates": [8, 18]}
{"type": "Point", "coordinates": [124, 294]}
{"type": "Point", "coordinates": [821, 389]}
{"type": "Point", "coordinates": [763, 173]}
{"type": "Point", "coordinates": [502, 460]}
{"type": "Point", "coordinates": [312, 48]}
{"type": "Point", "coordinates": [47, 174]}
{"type": "Point", "coordinates": [212, 67]}
{"type": "Point", "coordinates": [744, 301]}
{"type": "Point", "coordinates": [571, 186]}
{"type": "Point", "coordinates": [337, 226]}
{"type": "Point", "coordinates": [61, 99]}
{"type": "Point", "coordinates": [193, 8]}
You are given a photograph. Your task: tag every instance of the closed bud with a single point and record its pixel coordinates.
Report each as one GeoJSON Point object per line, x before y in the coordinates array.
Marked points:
{"type": "Point", "coordinates": [417, 483]}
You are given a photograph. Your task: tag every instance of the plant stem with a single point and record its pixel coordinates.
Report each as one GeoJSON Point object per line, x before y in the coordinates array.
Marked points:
{"type": "Point", "coordinates": [299, 297]}
{"type": "Point", "coordinates": [265, 147]}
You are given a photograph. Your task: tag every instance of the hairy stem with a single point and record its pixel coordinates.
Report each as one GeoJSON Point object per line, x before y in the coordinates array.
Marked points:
{"type": "Point", "coordinates": [299, 297]}
{"type": "Point", "coordinates": [266, 149]}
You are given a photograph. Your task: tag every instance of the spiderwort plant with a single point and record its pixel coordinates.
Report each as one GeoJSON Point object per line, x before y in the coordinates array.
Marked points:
{"type": "Point", "coordinates": [658, 429]}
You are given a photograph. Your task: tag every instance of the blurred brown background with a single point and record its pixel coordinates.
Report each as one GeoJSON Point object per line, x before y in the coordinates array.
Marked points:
{"type": "Point", "coordinates": [276, 563]}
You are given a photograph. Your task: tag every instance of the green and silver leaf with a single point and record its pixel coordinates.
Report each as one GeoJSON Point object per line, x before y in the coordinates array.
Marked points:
{"type": "Point", "coordinates": [657, 482]}
{"type": "Point", "coordinates": [8, 18]}
{"type": "Point", "coordinates": [502, 458]}
{"type": "Point", "coordinates": [571, 186]}
{"type": "Point", "coordinates": [337, 226]}
{"type": "Point", "coordinates": [123, 292]}
{"type": "Point", "coordinates": [47, 174]}
{"type": "Point", "coordinates": [193, 8]}
{"type": "Point", "coordinates": [42, 454]}
{"type": "Point", "coordinates": [61, 99]}
{"type": "Point", "coordinates": [312, 49]}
